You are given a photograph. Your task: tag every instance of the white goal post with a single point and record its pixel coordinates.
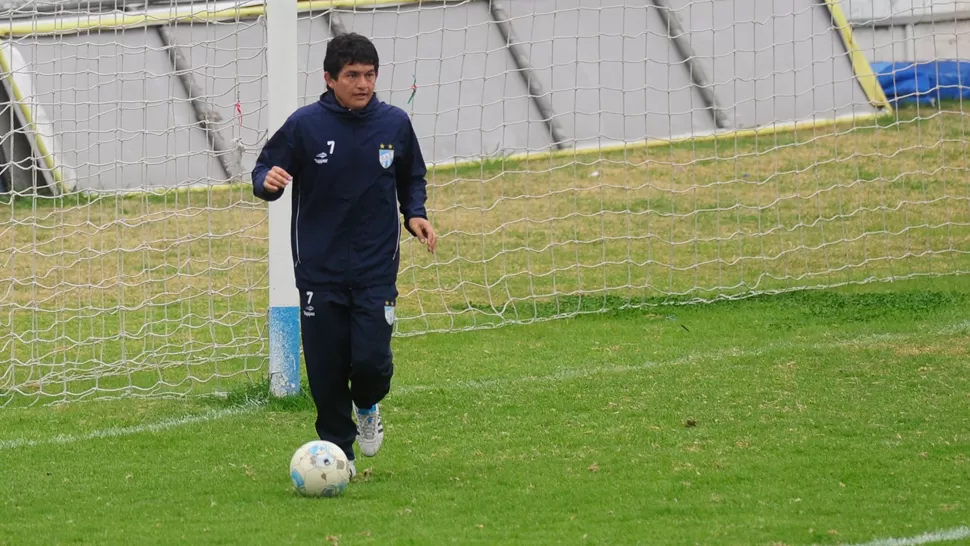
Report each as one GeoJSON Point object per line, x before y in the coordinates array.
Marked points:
{"type": "Point", "coordinates": [284, 302]}
{"type": "Point", "coordinates": [584, 155]}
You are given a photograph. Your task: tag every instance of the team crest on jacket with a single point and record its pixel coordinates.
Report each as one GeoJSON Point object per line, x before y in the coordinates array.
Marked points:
{"type": "Point", "coordinates": [386, 156]}
{"type": "Point", "coordinates": [389, 313]}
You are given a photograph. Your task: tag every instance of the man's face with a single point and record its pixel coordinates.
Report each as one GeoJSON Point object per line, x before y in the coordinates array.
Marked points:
{"type": "Point", "coordinates": [354, 86]}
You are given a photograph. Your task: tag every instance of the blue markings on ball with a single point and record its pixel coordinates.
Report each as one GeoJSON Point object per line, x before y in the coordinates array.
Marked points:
{"type": "Point", "coordinates": [297, 479]}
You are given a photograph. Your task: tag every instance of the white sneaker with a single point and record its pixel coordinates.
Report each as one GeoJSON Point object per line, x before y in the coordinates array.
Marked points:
{"type": "Point", "coordinates": [353, 470]}
{"type": "Point", "coordinates": [370, 430]}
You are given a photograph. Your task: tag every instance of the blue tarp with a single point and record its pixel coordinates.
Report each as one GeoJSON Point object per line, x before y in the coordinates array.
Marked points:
{"type": "Point", "coordinates": [926, 82]}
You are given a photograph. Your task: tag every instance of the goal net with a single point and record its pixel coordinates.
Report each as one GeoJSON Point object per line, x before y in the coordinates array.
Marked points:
{"type": "Point", "coordinates": [584, 155]}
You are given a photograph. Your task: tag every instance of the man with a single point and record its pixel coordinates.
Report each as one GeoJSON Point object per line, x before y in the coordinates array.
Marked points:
{"type": "Point", "coordinates": [351, 160]}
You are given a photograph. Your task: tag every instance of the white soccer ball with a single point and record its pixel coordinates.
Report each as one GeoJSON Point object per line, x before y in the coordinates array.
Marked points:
{"type": "Point", "coordinates": [319, 469]}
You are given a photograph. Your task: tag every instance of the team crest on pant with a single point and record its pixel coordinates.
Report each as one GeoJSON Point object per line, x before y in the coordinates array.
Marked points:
{"type": "Point", "coordinates": [389, 313]}
{"type": "Point", "coordinates": [386, 155]}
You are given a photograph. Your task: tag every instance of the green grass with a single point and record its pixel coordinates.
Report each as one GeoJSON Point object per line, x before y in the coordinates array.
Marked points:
{"type": "Point", "coordinates": [818, 417]}
{"type": "Point", "coordinates": [789, 417]}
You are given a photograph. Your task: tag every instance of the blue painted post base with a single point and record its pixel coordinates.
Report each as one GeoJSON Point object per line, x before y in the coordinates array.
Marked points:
{"type": "Point", "coordinates": [284, 351]}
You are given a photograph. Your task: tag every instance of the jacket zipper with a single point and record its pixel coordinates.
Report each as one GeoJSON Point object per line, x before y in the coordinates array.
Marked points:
{"type": "Point", "coordinates": [397, 220]}
{"type": "Point", "coordinates": [299, 195]}
{"type": "Point", "coordinates": [353, 161]}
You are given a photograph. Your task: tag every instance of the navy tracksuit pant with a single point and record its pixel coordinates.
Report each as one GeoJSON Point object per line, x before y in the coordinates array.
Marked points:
{"type": "Point", "coordinates": [347, 350]}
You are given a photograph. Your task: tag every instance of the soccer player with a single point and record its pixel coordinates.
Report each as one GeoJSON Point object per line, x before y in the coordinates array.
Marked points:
{"type": "Point", "coordinates": [353, 162]}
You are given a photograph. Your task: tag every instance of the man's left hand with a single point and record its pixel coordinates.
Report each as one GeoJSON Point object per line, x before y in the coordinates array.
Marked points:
{"type": "Point", "coordinates": [422, 228]}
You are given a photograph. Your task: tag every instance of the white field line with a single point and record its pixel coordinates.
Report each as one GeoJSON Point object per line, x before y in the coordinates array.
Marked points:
{"type": "Point", "coordinates": [116, 432]}
{"type": "Point", "coordinates": [956, 533]}
{"type": "Point", "coordinates": [563, 375]}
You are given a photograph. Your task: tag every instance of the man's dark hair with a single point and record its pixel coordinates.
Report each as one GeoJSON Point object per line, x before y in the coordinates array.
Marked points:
{"type": "Point", "coordinates": [349, 48]}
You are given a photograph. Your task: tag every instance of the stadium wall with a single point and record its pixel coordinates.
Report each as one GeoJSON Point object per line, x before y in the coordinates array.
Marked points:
{"type": "Point", "coordinates": [480, 80]}
{"type": "Point", "coordinates": [911, 31]}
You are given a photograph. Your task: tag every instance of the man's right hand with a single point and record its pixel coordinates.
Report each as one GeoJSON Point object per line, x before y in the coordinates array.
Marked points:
{"type": "Point", "coordinates": [276, 180]}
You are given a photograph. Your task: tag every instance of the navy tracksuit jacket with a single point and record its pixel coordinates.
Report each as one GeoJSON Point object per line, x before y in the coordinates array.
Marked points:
{"type": "Point", "coordinates": [354, 174]}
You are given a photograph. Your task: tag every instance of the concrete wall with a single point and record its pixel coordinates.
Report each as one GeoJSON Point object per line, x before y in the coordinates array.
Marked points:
{"type": "Point", "coordinates": [607, 67]}
{"type": "Point", "coordinates": [869, 10]}
{"type": "Point", "coordinates": [911, 30]}
{"type": "Point", "coordinates": [915, 42]}
{"type": "Point", "coordinates": [772, 60]}
{"type": "Point", "coordinates": [124, 121]}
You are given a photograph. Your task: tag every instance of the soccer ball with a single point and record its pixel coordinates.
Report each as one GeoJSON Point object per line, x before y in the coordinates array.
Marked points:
{"type": "Point", "coordinates": [319, 469]}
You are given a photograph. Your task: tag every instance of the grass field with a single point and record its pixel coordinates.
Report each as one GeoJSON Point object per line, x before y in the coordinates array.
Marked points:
{"type": "Point", "coordinates": [806, 418]}
{"type": "Point", "coordinates": [831, 416]}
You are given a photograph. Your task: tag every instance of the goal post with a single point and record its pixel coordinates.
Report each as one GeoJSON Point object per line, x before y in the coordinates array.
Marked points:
{"type": "Point", "coordinates": [284, 301]}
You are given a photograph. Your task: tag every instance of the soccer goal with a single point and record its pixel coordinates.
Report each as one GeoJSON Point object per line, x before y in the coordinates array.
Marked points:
{"type": "Point", "coordinates": [584, 155]}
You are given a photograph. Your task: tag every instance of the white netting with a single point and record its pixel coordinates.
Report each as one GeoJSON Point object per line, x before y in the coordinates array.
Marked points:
{"type": "Point", "coordinates": [145, 272]}
{"type": "Point", "coordinates": [137, 270]}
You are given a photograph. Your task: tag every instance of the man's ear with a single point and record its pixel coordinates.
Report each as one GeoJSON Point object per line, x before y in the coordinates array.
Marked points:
{"type": "Point", "coordinates": [328, 79]}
